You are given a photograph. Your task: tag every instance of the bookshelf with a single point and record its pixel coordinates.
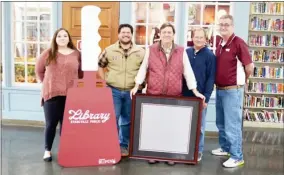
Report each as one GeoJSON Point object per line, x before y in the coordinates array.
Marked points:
{"type": "Point", "coordinates": [264, 95]}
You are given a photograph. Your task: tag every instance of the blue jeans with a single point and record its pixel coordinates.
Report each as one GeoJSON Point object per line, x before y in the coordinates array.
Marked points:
{"type": "Point", "coordinates": [229, 104]}
{"type": "Point", "coordinates": [122, 106]}
{"type": "Point", "coordinates": [202, 133]}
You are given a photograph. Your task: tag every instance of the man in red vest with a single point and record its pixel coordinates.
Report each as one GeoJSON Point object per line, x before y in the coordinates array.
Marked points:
{"type": "Point", "coordinates": [166, 63]}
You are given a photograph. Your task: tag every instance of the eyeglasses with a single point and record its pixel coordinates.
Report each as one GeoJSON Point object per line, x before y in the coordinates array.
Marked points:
{"type": "Point", "coordinates": [226, 25]}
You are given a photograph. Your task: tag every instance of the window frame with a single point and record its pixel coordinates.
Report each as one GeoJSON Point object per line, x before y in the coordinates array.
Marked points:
{"type": "Point", "coordinates": [147, 24]}
{"type": "Point", "coordinates": [3, 46]}
{"type": "Point", "coordinates": [202, 3]}
{"type": "Point", "coordinates": [13, 41]}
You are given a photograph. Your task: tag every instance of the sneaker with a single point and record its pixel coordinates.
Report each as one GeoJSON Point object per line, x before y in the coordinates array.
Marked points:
{"type": "Point", "coordinates": [231, 163]}
{"type": "Point", "coordinates": [47, 156]}
{"type": "Point", "coordinates": [199, 157]}
{"type": "Point", "coordinates": [219, 152]}
{"type": "Point", "coordinates": [124, 152]}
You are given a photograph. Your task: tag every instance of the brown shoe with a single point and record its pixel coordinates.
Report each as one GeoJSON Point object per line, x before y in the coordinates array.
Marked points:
{"type": "Point", "coordinates": [170, 163]}
{"type": "Point", "coordinates": [124, 152]}
{"type": "Point", "coordinates": [199, 157]}
{"type": "Point", "coordinates": [152, 161]}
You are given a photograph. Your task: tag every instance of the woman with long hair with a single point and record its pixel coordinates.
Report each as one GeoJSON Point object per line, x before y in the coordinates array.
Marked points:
{"type": "Point", "coordinates": [56, 68]}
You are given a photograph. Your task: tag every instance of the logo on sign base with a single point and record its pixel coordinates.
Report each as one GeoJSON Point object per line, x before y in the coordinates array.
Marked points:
{"type": "Point", "coordinates": [107, 161]}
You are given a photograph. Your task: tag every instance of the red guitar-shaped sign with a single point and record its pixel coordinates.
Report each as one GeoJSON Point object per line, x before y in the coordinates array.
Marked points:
{"type": "Point", "coordinates": [89, 134]}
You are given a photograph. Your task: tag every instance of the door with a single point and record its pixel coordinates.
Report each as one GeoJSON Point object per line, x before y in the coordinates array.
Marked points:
{"type": "Point", "coordinates": [109, 17]}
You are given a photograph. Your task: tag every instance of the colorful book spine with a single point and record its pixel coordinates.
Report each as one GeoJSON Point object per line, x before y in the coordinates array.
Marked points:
{"type": "Point", "coordinates": [265, 87]}
{"type": "Point", "coordinates": [264, 101]}
{"type": "Point", "coordinates": [266, 24]}
{"type": "Point", "coordinates": [271, 56]}
{"type": "Point", "coordinates": [267, 8]}
{"type": "Point", "coordinates": [264, 116]}
{"type": "Point", "coordinates": [268, 72]}
{"type": "Point", "coordinates": [266, 40]}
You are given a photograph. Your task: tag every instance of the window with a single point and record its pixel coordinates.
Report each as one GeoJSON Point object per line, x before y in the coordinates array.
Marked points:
{"type": "Point", "coordinates": [2, 46]}
{"type": "Point", "coordinates": [31, 34]}
{"type": "Point", "coordinates": [147, 16]}
{"type": "Point", "coordinates": [206, 15]}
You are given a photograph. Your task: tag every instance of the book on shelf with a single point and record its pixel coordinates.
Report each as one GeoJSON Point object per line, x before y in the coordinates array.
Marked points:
{"type": "Point", "coordinates": [267, 8]}
{"type": "Point", "coordinates": [269, 56]}
{"type": "Point", "coordinates": [266, 87]}
{"type": "Point", "coordinates": [268, 72]}
{"type": "Point", "coordinates": [264, 101]}
{"type": "Point", "coordinates": [266, 40]}
{"type": "Point", "coordinates": [266, 24]}
{"type": "Point", "coordinates": [264, 116]}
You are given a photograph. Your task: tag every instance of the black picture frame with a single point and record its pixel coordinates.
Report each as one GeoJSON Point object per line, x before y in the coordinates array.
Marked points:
{"type": "Point", "coordinates": [138, 122]}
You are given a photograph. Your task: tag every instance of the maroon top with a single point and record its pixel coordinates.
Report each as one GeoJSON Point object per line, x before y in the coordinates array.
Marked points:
{"type": "Point", "coordinates": [231, 59]}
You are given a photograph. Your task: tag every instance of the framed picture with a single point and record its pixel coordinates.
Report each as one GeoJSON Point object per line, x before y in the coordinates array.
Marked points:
{"type": "Point", "coordinates": [165, 128]}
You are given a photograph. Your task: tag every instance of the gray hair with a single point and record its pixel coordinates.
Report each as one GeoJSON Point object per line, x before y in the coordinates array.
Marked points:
{"type": "Point", "coordinates": [228, 17]}
{"type": "Point", "coordinates": [199, 29]}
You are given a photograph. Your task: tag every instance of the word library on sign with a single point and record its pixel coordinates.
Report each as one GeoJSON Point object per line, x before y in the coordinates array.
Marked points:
{"type": "Point", "coordinates": [80, 116]}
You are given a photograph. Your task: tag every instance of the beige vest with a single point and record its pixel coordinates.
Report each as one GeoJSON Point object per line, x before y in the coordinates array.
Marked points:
{"type": "Point", "coordinates": [122, 69]}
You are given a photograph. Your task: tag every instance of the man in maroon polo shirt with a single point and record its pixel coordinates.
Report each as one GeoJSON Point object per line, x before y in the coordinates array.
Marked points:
{"type": "Point", "coordinates": [233, 67]}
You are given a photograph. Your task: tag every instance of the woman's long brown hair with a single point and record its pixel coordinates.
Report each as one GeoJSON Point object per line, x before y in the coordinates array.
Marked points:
{"type": "Point", "coordinates": [54, 47]}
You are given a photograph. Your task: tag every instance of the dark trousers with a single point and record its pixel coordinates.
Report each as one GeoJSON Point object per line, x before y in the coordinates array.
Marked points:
{"type": "Point", "coordinates": [53, 111]}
